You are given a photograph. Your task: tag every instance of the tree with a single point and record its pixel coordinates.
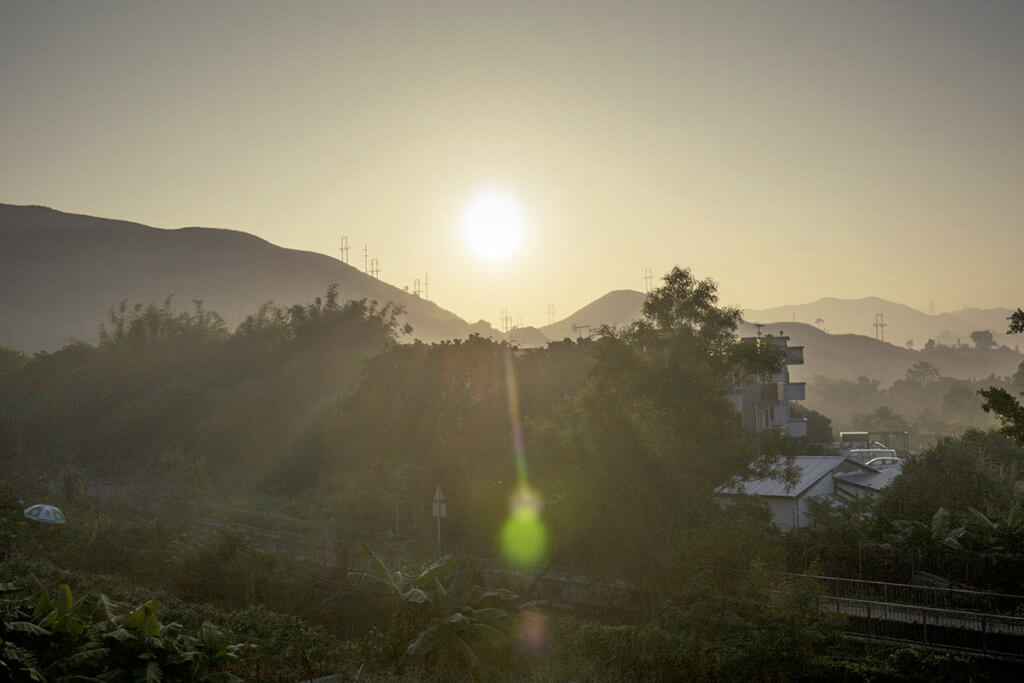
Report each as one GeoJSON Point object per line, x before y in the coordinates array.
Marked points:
{"type": "Point", "coordinates": [910, 344]}
{"type": "Point", "coordinates": [1016, 322]}
{"type": "Point", "coordinates": [819, 427]}
{"type": "Point", "coordinates": [883, 419]}
{"type": "Point", "coordinates": [1000, 402]}
{"type": "Point", "coordinates": [954, 474]}
{"type": "Point", "coordinates": [923, 372]}
{"type": "Point", "coordinates": [929, 345]}
{"type": "Point", "coordinates": [983, 340]}
{"type": "Point", "coordinates": [653, 430]}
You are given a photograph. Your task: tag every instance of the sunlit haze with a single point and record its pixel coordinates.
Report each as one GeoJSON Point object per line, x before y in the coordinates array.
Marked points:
{"type": "Point", "coordinates": [790, 150]}
{"type": "Point", "coordinates": [493, 225]}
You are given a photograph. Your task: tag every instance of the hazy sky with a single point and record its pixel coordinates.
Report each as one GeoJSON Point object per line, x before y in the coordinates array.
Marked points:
{"type": "Point", "coordinates": [790, 150]}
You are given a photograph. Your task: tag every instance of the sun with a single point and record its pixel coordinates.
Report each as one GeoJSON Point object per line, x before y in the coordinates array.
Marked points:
{"type": "Point", "coordinates": [493, 225]}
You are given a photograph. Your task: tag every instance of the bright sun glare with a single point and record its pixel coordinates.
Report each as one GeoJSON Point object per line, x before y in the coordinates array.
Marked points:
{"type": "Point", "coordinates": [493, 225]}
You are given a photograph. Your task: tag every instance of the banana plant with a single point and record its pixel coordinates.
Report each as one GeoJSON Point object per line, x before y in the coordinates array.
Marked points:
{"type": "Point", "coordinates": [17, 663]}
{"type": "Point", "coordinates": [464, 626]}
{"type": "Point", "coordinates": [939, 532]}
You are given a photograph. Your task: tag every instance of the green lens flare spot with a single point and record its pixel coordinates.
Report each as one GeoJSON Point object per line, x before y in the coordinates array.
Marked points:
{"type": "Point", "coordinates": [524, 540]}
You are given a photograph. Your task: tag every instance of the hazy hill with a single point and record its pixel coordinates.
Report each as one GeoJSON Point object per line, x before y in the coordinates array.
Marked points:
{"type": "Point", "coordinates": [61, 272]}
{"type": "Point", "coordinates": [857, 316]}
{"type": "Point", "coordinates": [844, 352]}
{"type": "Point", "coordinates": [619, 307]}
{"type": "Point", "coordinates": [852, 355]}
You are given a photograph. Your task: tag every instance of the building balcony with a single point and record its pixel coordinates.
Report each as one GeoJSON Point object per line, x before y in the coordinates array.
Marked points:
{"type": "Point", "coordinates": [797, 428]}
{"type": "Point", "coordinates": [773, 393]}
{"type": "Point", "coordinates": [795, 355]}
{"type": "Point", "coordinates": [796, 391]}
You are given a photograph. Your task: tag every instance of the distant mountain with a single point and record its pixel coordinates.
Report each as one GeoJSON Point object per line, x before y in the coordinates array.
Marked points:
{"type": "Point", "coordinates": [61, 272]}
{"type": "Point", "coordinates": [850, 350]}
{"type": "Point", "coordinates": [619, 307]}
{"type": "Point", "coordinates": [852, 355]}
{"type": "Point", "coordinates": [902, 323]}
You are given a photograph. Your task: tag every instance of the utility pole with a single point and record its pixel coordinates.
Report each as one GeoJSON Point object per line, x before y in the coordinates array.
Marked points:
{"type": "Point", "coordinates": [344, 248]}
{"type": "Point", "coordinates": [440, 509]}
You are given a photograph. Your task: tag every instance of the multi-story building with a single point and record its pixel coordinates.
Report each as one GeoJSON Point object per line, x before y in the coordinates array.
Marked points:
{"type": "Point", "coordinates": [766, 405]}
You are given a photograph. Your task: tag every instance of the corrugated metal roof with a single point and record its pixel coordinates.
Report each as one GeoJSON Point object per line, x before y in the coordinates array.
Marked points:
{"type": "Point", "coordinates": [812, 468]}
{"type": "Point", "coordinates": [870, 479]}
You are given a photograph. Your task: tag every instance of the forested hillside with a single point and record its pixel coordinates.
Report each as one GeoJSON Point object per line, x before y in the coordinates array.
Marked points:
{"type": "Point", "coordinates": [61, 272]}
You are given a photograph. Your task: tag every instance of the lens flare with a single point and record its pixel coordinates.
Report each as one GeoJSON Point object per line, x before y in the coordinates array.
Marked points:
{"type": "Point", "coordinates": [524, 539]}
{"type": "Point", "coordinates": [530, 632]}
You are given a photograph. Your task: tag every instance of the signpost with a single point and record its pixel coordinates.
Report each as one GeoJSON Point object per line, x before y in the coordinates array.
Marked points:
{"type": "Point", "coordinates": [440, 510]}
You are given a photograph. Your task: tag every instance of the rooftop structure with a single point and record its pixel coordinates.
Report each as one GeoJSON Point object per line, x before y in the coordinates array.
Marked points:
{"type": "Point", "coordinates": [818, 476]}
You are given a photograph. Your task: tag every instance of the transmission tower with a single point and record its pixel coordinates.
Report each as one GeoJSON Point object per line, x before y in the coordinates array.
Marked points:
{"type": "Point", "coordinates": [519, 321]}
{"type": "Point", "coordinates": [366, 260]}
{"type": "Point", "coordinates": [880, 326]}
{"type": "Point", "coordinates": [505, 321]}
{"type": "Point", "coordinates": [931, 306]}
{"type": "Point", "coordinates": [344, 248]}
{"type": "Point", "coordinates": [416, 286]}
{"type": "Point", "coordinates": [426, 286]}
{"type": "Point", "coordinates": [551, 314]}
{"type": "Point", "coordinates": [375, 267]}
{"type": "Point", "coordinates": [648, 280]}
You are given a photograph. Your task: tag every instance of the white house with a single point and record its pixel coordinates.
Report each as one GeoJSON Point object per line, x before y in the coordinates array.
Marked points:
{"type": "Point", "coordinates": [820, 476]}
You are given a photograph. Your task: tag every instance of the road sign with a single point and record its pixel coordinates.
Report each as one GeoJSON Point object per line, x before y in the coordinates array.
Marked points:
{"type": "Point", "coordinates": [440, 507]}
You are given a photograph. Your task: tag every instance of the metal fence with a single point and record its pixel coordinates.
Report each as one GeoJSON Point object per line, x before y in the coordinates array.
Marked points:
{"type": "Point", "coordinates": [907, 594]}
{"type": "Point", "coordinates": [978, 632]}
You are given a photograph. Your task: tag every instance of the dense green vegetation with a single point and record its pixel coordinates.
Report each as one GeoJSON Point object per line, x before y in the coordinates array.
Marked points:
{"type": "Point", "coordinates": [173, 439]}
{"type": "Point", "coordinates": [956, 511]}
{"type": "Point", "coordinates": [924, 403]}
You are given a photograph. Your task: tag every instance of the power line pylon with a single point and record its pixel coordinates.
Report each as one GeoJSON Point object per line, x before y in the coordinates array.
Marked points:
{"type": "Point", "coordinates": [880, 326]}
{"type": "Point", "coordinates": [551, 314]}
{"type": "Point", "coordinates": [648, 280]}
{"type": "Point", "coordinates": [366, 259]}
{"type": "Point", "coordinates": [426, 286]}
{"type": "Point", "coordinates": [375, 267]}
{"type": "Point", "coordinates": [344, 249]}
{"type": "Point", "coordinates": [416, 286]}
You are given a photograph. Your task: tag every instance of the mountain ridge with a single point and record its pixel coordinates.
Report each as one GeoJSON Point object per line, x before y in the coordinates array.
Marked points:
{"type": "Point", "coordinates": [63, 271]}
